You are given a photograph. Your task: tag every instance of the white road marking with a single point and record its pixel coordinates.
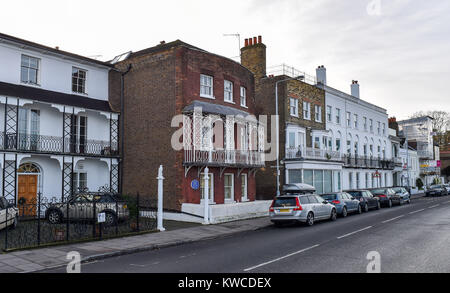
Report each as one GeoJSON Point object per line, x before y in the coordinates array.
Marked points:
{"type": "Point", "coordinates": [393, 219]}
{"type": "Point", "coordinates": [435, 206]}
{"type": "Point", "coordinates": [280, 258]}
{"type": "Point", "coordinates": [415, 212]}
{"type": "Point", "coordinates": [349, 234]}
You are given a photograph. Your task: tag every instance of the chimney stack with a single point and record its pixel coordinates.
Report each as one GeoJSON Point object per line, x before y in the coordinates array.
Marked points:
{"type": "Point", "coordinates": [253, 57]}
{"type": "Point", "coordinates": [321, 75]}
{"type": "Point", "coordinates": [355, 89]}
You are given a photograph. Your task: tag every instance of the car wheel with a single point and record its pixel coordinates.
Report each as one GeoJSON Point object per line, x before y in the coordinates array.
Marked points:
{"type": "Point", "coordinates": [54, 217]}
{"type": "Point", "coordinates": [366, 208]}
{"type": "Point", "coordinates": [359, 209]}
{"type": "Point", "coordinates": [344, 212]}
{"type": "Point", "coordinates": [333, 216]}
{"type": "Point", "coordinates": [310, 219]}
{"type": "Point", "coordinates": [110, 219]}
{"type": "Point", "coordinates": [378, 206]}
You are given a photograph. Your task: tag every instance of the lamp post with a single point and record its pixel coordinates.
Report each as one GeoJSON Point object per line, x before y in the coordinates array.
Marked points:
{"type": "Point", "coordinates": [278, 127]}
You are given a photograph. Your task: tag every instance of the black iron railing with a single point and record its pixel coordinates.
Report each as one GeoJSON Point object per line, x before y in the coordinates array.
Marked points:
{"type": "Point", "coordinates": [54, 144]}
{"type": "Point", "coordinates": [355, 161]}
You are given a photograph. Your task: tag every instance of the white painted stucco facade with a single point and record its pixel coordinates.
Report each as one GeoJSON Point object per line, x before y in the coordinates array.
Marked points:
{"type": "Point", "coordinates": [66, 139]}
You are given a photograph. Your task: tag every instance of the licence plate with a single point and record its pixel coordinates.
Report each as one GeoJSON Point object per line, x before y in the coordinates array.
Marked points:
{"type": "Point", "coordinates": [285, 211]}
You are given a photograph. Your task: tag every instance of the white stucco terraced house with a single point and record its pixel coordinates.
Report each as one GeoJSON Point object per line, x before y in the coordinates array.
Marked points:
{"type": "Point", "coordinates": [359, 131]}
{"type": "Point", "coordinates": [58, 132]}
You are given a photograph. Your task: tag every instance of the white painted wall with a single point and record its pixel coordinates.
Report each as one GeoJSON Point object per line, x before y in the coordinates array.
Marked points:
{"type": "Point", "coordinates": [55, 73]}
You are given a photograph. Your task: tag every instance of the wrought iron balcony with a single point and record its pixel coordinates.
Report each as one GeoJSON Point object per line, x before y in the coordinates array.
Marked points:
{"type": "Point", "coordinates": [365, 162]}
{"type": "Point", "coordinates": [221, 158]}
{"type": "Point", "coordinates": [58, 145]}
{"type": "Point", "coordinates": [312, 154]}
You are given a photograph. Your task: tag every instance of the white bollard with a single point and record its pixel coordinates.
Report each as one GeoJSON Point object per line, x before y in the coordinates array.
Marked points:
{"type": "Point", "coordinates": [206, 199]}
{"type": "Point", "coordinates": [160, 199]}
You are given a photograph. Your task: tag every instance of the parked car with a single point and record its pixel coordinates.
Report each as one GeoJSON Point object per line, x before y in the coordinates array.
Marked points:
{"type": "Point", "coordinates": [344, 203]}
{"type": "Point", "coordinates": [298, 188]}
{"type": "Point", "coordinates": [366, 199]}
{"type": "Point", "coordinates": [405, 197]}
{"type": "Point", "coordinates": [387, 196]}
{"type": "Point", "coordinates": [8, 210]}
{"type": "Point", "coordinates": [81, 207]}
{"type": "Point", "coordinates": [301, 208]}
{"type": "Point", "coordinates": [436, 190]}
{"type": "Point", "coordinates": [447, 186]}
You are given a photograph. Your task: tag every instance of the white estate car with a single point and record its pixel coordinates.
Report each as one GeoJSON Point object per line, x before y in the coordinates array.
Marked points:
{"type": "Point", "coordinates": [8, 209]}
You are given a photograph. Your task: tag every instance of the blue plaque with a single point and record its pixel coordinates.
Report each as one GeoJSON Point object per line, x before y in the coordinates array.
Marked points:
{"type": "Point", "coordinates": [195, 184]}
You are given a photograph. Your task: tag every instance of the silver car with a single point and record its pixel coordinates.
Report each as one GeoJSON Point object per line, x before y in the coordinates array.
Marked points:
{"type": "Point", "coordinates": [301, 208]}
{"type": "Point", "coordinates": [8, 214]}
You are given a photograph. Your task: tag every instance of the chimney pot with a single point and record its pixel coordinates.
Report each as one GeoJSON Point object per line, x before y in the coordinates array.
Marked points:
{"type": "Point", "coordinates": [250, 42]}
{"type": "Point", "coordinates": [162, 42]}
{"type": "Point", "coordinates": [260, 39]}
{"type": "Point", "coordinates": [321, 75]}
{"type": "Point", "coordinates": [355, 89]}
{"type": "Point", "coordinates": [246, 43]}
{"type": "Point", "coordinates": [255, 40]}
{"type": "Point", "coordinates": [57, 47]}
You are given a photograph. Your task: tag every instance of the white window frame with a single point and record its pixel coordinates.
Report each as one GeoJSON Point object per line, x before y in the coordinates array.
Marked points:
{"type": "Point", "coordinates": [211, 188]}
{"type": "Point", "coordinates": [355, 121]}
{"type": "Point", "coordinates": [348, 119]}
{"type": "Point", "coordinates": [243, 97]}
{"type": "Point", "coordinates": [227, 200]}
{"type": "Point", "coordinates": [371, 125]}
{"type": "Point", "coordinates": [85, 92]}
{"type": "Point", "coordinates": [204, 77]}
{"type": "Point", "coordinates": [365, 123]}
{"type": "Point", "coordinates": [244, 196]}
{"type": "Point", "coordinates": [307, 110]}
{"type": "Point", "coordinates": [338, 116]}
{"type": "Point", "coordinates": [329, 113]}
{"type": "Point", "coordinates": [227, 93]}
{"type": "Point", "coordinates": [293, 105]}
{"type": "Point", "coordinates": [318, 113]}
{"type": "Point", "coordinates": [38, 71]}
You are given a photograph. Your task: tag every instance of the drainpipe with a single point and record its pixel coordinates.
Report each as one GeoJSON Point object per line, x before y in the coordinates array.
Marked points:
{"type": "Point", "coordinates": [121, 122]}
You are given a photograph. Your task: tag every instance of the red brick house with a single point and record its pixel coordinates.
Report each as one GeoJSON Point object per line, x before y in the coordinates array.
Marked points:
{"type": "Point", "coordinates": [179, 79]}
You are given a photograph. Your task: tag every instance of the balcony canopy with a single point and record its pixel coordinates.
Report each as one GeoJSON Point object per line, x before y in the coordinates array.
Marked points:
{"type": "Point", "coordinates": [210, 108]}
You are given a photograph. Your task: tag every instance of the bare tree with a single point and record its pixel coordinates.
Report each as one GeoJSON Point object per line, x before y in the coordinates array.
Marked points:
{"type": "Point", "coordinates": [441, 121]}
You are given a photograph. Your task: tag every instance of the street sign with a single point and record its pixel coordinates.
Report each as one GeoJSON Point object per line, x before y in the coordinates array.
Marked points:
{"type": "Point", "coordinates": [101, 217]}
{"type": "Point", "coordinates": [195, 184]}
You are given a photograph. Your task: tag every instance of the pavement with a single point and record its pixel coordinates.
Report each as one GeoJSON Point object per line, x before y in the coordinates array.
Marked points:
{"type": "Point", "coordinates": [177, 233]}
{"type": "Point", "coordinates": [412, 238]}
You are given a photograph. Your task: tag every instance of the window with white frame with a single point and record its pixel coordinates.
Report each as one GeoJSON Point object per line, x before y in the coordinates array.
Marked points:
{"type": "Point", "coordinates": [329, 113]}
{"type": "Point", "coordinates": [338, 144]}
{"type": "Point", "coordinates": [244, 187]}
{"type": "Point", "coordinates": [293, 106]}
{"type": "Point", "coordinates": [243, 96]}
{"type": "Point", "coordinates": [338, 116]}
{"type": "Point", "coordinates": [228, 91]}
{"type": "Point", "coordinates": [79, 181]}
{"type": "Point", "coordinates": [229, 187]}
{"type": "Point", "coordinates": [365, 123]}
{"type": "Point", "coordinates": [29, 70]}
{"type": "Point", "coordinates": [79, 80]}
{"type": "Point", "coordinates": [306, 110]}
{"type": "Point", "coordinates": [379, 127]}
{"type": "Point", "coordinates": [371, 125]}
{"type": "Point", "coordinates": [210, 185]}
{"type": "Point", "coordinates": [206, 86]}
{"type": "Point", "coordinates": [348, 116]}
{"type": "Point", "coordinates": [355, 121]}
{"type": "Point", "coordinates": [318, 113]}
{"type": "Point", "coordinates": [384, 129]}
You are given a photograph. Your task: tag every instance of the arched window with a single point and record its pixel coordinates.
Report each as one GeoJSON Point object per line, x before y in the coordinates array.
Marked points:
{"type": "Point", "coordinates": [28, 168]}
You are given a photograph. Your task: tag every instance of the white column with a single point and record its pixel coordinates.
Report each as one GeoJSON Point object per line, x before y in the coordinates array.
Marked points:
{"type": "Point", "coordinates": [206, 199]}
{"type": "Point", "coordinates": [160, 199]}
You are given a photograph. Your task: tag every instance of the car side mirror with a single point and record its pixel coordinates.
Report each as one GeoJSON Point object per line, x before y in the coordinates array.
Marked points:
{"type": "Point", "coordinates": [325, 202]}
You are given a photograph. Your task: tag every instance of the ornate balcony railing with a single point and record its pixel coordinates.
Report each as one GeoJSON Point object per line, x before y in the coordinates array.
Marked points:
{"type": "Point", "coordinates": [224, 158]}
{"type": "Point", "coordinates": [54, 144]}
{"type": "Point", "coordinates": [355, 161]}
{"type": "Point", "coordinates": [312, 154]}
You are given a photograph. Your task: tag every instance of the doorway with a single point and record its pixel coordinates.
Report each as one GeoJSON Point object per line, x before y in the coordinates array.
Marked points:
{"type": "Point", "coordinates": [28, 178]}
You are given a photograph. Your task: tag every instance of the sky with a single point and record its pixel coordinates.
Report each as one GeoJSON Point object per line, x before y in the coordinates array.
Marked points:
{"type": "Point", "coordinates": [398, 50]}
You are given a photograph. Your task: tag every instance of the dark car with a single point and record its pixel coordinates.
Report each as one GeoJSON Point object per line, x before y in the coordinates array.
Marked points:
{"type": "Point", "coordinates": [344, 203]}
{"type": "Point", "coordinates": [436, 190]}
{"type": "Point", "coordinates": [387, 196]}
{"type": "Point", "coordinates": [366, 199]}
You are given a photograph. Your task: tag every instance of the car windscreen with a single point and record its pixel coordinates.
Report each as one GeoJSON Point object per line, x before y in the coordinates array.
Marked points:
{"type": "Point", "coordinates": [435, 186]}
{"type": "Point", "coordinates": [329, 196]}
{"type": "Point", "coordinates": [297, 192]}
{"type": "Point", "coordinates": [378, 191]}
{"type": "Point", "coordinates": [355, 193]}
{"type": "Point", "coordinates": [285, 202]}
{"type": "Point", "coordinates": [398, 189]}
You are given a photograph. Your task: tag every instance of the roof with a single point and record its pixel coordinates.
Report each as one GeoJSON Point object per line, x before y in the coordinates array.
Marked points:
{"type": "Point", "coordinates": [214, 109]}
{"type": "Point", "coordinates": [415, 120]}
{"type": "Point", "coordinates": [37, 94]}
{"type": "Point", "coordinates": [162, 47]}
{"type": "Point", "coordinates": [50, 49]}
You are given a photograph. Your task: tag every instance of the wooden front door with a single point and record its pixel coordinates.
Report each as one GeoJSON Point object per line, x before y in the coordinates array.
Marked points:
{"type": "Point", "coordinates": [27, 197]}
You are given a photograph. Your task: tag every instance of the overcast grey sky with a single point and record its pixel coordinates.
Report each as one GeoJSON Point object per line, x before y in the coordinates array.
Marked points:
{"type": "Point", "coordinates": [398, 51]}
